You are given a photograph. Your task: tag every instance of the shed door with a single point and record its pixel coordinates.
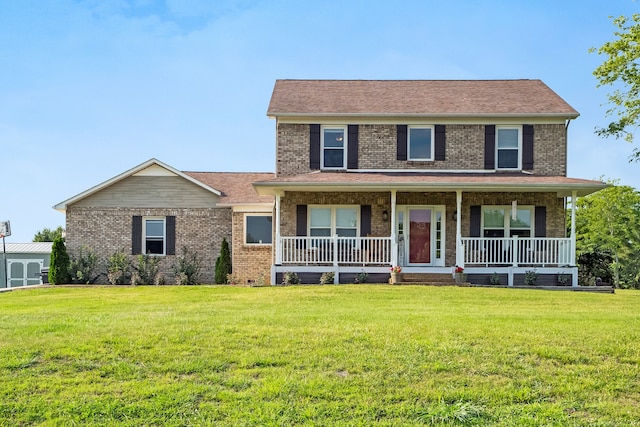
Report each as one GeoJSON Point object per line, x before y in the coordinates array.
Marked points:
{"type": "Point", "coordinates": [24, 272]}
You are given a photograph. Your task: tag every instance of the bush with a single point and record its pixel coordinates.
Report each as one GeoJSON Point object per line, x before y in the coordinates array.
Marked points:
{"type": "Point", "coordinates": [223, 263]}
{"type": "Point", "coordinates": [530, 277]}
{"type": "Point", "coordinates": [118, 268]}
{"type": "Point", "coordinates": [361, 277]}
{"type": "Point", "coordinates": [327, 278]}
{"type": "Point", "coordinates": [59, 263]}
{"type": "Point", "coordinates": [82, 268]}
{"type": "Point", "coordinates": [290, 278]}
{"type": "Point", "coordinates": [187, 267]}
{"type": "Point", "coordinates": [146, 272]}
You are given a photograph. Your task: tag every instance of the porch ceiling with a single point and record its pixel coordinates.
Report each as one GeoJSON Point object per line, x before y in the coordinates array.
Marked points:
{"type": "Point", "coordinates": [354, 181]}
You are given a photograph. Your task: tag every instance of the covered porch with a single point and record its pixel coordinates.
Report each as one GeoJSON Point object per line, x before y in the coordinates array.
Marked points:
{"type": "Point", "coordinates": [430, 225]}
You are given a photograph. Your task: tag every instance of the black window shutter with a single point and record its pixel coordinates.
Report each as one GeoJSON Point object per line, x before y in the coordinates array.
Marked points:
{"type": "Point", "coordinates": [527, 147]}
{"type": "Point", "coordinates": [365, 220]}
{"type": "Point", "coordinates": [475, 225]}
{"type": "Point", "coordinates": [352, 148]}
{"type": "Point", "coordinates": [441, 142]}
{"type": "Point", "coordinates": [314, 146]}
{"type": "Point", "coordinates": [171, 235]}
{"type": "Point", "coordinates": [402, 142]}
{"type": "Point", "coordinates": [301, 220]}
{"type": "Point", "coordinates": [541, 221]}
{"type": "Point", "coordinates": [490, 147]}
{"type": "Point", "coordinates": [136, 235]}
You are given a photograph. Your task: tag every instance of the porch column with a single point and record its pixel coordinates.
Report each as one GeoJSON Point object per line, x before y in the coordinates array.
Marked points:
{"type": "Point", "coordinates": [278, 243]}
{"type": "Point", "coordinates": [574, 200]}
{"type": "Point", "coordinates": [394, 238]}
{"type": "Point", "coordinates": [459, 246]}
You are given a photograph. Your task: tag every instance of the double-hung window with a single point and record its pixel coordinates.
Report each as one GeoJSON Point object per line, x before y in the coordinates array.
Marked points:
{"type": "Point", "coordinates": [258, 229]}
{"type": "Point", "coordinates": [420, 142]}
{"type": "Point", "coordinates": [330, 221]}
{"type": "Point", "coordinates": [509, 147]}
{"type": "Point", "coordinates": [154, 236]}
{"type": "Point", "coordinates": [497, 221]}
{"type": "Point", "coordinates": [334, 147]}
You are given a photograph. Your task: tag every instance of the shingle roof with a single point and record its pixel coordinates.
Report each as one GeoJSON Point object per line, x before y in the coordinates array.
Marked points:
{"type": "Point", "coordinates": [413, 181]}
{"type": "Point", "coordinates": [235, 187]}
{"type": "Point", "coordinates": [433, 98]}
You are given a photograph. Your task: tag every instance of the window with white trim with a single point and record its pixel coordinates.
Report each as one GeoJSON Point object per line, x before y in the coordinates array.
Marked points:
{"type": "Point", "coordinates": [420, 143]}
{"type": "Point", "coordinates": [258, 229]}
{"type": "Point", "coordinates": [334, 220]}
{"type": "Point", "coordinates": [498, 222]}
{"type": "Point", "coordinates": [334, 147]}
{"type": "Point", "coordinates": [509, 147]}
{"type": "Point", "coordinates": [154, 236]}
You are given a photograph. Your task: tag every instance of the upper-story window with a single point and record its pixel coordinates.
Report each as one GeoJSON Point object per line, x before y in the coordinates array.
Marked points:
{"type": "Point", "coordinates": [420, 143]}
{"type": "Point", "coordinates": [509, 147]}
{"type": "Point", "coordinates": [334, 143]}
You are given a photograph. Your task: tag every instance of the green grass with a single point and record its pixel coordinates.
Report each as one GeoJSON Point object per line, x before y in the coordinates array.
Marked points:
{"type": "Point", "coordinates": [318, 355]}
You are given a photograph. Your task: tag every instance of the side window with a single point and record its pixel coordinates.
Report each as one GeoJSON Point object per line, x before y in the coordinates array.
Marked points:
{"type": "Point", "coordinates": [420, 143]}
{"type": "Point", "coordinates": [509, 147]}
{"type": "Point", "coordinates": [154, 236]}
{"type": "Point", "coordinates": [258, 229]}
{"type": "Point", "coordinates": [334, 143]}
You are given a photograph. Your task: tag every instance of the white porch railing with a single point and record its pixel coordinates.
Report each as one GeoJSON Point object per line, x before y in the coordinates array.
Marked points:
{"type": "Point", "coordinates": [534, 251]}
{"type": "Point", "coordinates": [336, 250]}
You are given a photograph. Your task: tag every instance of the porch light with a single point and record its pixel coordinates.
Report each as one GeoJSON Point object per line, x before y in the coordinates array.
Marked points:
{"type": "Point", "coordinates": [385, 216]}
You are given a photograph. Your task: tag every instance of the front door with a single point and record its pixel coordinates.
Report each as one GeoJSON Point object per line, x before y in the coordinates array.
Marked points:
{"type": "Point", "coordinates": [420, 235]}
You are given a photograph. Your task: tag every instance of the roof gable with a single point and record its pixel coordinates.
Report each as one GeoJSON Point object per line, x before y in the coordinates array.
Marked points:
{"type": "Point", "coordinates": [425, 98]}
{"type": "Point", "coordinates": [152, 167]}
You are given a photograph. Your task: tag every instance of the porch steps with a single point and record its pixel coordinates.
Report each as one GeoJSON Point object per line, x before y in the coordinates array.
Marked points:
{"type": "Point", "coordinates": [434, 279]}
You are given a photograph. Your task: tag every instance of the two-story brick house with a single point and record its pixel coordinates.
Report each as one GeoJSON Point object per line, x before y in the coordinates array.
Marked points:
{"type": "Point", "coordinates": [422, 174]}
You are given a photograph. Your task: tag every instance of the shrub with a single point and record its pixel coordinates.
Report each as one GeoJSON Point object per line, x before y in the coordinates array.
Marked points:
{"type": "Point", "coordinates": [290, 278]}
{"type": "Point", "coordinates": [146, 271]}
{"type": "Point", "coordinates": [223, 263]}
{"type": "Point", "coordinates": [187, 267]}
{"type": "Point", "coordinates": [530, 277]}
{"type": "Point", "coordinates": [82, 268]}
{"type": "Point", "coordinates": [327, 278]}
{"type": "Point", "coordinates": [59, 263]}
{"type": "Point", "coordinates": [361, 277]}
{"type": "Point", "coordinates": [118, 268]}
{"type": "Point", "coordinates": [495, 278]}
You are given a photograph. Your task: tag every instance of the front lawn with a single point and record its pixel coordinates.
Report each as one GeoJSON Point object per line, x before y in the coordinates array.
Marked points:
{"type": "Point", "coordinates": [318, 355]}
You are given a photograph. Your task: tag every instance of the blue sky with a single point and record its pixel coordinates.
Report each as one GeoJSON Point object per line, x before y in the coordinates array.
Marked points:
{"type": "Point", "coordinates": [90, 88]}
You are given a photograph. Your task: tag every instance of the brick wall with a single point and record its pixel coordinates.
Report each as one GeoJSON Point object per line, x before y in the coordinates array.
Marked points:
{"type": "Point", "coordinates": [464, 149]}
{"type": "Point", "coordinates": [107, 230]}
{"type": "Point", "coordinates": [250, 262]}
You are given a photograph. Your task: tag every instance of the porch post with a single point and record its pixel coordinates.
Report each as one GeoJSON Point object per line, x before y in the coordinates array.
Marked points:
{"type": "Point", "coordinates": [574, 197]}
{"type": "Point", "coordinates": [394, 238]}
{"type": "Point", "coordinates": [459, 246]}
{"type": "Point", "coordinates": [278, 243]}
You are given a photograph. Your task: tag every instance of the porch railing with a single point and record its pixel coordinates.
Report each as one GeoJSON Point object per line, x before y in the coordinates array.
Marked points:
{"type": "Point", "coordinates": [336, 250]}
{"type": "Point", "coordinates": [516, 251]}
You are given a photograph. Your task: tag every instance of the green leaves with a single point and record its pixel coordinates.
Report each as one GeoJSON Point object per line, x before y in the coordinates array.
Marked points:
{"type": "Point", "coordinates": [621, 71]}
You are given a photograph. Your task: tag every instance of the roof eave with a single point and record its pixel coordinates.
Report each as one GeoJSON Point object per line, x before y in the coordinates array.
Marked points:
{"type": "Point", "coordinates": [570, 116]}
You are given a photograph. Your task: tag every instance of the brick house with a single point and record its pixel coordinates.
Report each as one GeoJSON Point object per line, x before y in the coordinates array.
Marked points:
{"type": "Point", "coordinates": [154, 208]}
{"type": "Point", "coordinates": [425, 175]}
{"type": "Point", "coordinates": [421, 174]}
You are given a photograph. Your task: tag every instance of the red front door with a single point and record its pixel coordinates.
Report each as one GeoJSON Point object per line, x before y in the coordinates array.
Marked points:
{"type": "Point", "coordinates": [419, 236]}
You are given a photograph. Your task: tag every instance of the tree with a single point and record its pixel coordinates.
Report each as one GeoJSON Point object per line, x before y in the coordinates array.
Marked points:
{"type": "Point", "coordinates": [59, 263]}
{"type": "Point", "coordinates": [608, 222]}
{"type": "Point", "coordinates": [47, 235]}
{"type": "Point", "coordinates": [620, 70]}
{"type": "Point", "coordinates": [223, 263]}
